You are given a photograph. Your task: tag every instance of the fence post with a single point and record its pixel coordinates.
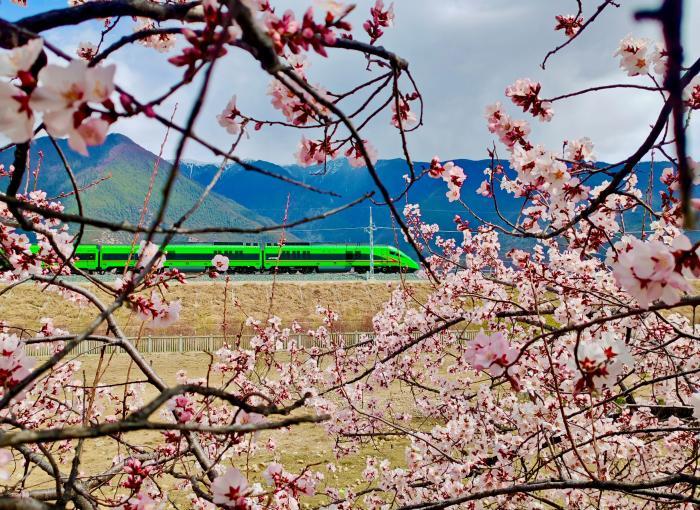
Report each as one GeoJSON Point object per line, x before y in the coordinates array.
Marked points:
{"type": "Point", "coordinates": [150, 344]}
{"type": "Point", "coordinates": [180, 344]}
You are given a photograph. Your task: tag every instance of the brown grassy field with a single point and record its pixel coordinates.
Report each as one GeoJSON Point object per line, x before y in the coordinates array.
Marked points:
{"type": "Point", "coordinates": [203, 305]}
{"type": "Point", "coordinates": [202, 313]}
{"type": "Point", "coordinates": [297, 447]}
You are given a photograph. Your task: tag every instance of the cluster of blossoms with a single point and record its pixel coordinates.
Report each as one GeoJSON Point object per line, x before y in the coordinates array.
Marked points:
{"type": "Point", "coordinates": [228, 117]}
{"type": "Point", "coordinates": [493, 354]}
{"type": "Point", "coordinates": [452, 174]}
{"type": "Point", "coordinates": [570, 24]}
{"type": "Point", "coordinates": [160, 312]}
{"type": "Point", "coordinates": [210, 43]}
{"type": "Point", "coordinates": [403, 117]}
{"type": "Point", "coordinates": [161, 42]}
{"type": "Point", "coordinates": [355, 156]}
{"type": "Point", "coordinates": [639, 56]}
{"type": "Point", "coordinates": [691, 94]}
{"type": "Point", "coordinates": [381, 18]}
{"type": "Point", "coordinates": [510, 132]}
{"type": "Point", "coordinates": [599, 362]}
{"type": "Point", "coordinates": [288, 33]}
{"type": "Point", "coordinates": [65, 95]}
{"type": "Point", "coordinates": [15, 365]}
{"type": "Point", "coordinates": [526, 94]}
{"type": "Point", "coordinates": [651, 270]}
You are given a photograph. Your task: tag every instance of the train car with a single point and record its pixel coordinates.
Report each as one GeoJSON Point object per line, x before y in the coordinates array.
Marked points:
{"type": "Point", "coordinates": [306, 258]}
{"type": "Point", "coordinates": [116, 256]}
{"type": "Point", "coordinates": [243, 257]}
{"type": "Point", "coordinates": [87, 256]}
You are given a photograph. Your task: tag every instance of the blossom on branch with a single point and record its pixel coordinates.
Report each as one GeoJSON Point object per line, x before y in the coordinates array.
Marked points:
{"type": "Point", "coordinates": [20, 59]}
{"type": "Point", "coordinates": [493, 354]}
{"type": "Point", "coordinates": [220, 263]}
{"type": "Point", "coordinates": [647, 270]}
{"type": "Point", "coordinates": [570, 24]}
{"type": "Point", "coordinates": [525, 93]}
{"type": "Point", "coordinates": [227, 118]}
{"type": "Point", "coordinates": [64, 95]}
{"type": "Point", "coordinates": [600, 362]}
{"type": "Point", "coordinates": [230, 489]}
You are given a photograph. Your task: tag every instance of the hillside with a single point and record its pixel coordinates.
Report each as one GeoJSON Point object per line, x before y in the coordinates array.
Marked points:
{"type": "Point", "coordinates": [124, 171]}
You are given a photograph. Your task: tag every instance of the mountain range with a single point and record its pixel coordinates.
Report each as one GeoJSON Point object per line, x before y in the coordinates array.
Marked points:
{"type": "Point", "coordinates": [116, 178]}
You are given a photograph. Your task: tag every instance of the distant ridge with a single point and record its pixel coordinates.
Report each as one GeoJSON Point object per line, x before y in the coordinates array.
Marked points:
{"type": "Point", "coordinates": [248, 199]}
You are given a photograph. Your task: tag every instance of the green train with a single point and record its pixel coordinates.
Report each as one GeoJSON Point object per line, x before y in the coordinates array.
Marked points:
{"type": "Point", "coordinates": [252, 257]}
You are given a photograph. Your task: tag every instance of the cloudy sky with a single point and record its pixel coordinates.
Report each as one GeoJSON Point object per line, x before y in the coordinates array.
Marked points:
{"type": "Point", "coordinates": [463, 53]}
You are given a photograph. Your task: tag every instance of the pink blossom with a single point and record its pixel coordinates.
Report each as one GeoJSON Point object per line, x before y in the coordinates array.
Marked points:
{"type": "Point", "coordinates": [484, 189]}
{"type": "Point", "coordinates": [355, 157]}
{"type": "Point", "coordinates": [408, 118]}
{"type": "Point", "coordinates": [220, 263]}
{"type": "Point", "coordinates": [147, 252]}
{"type": "Point", "coordinates": [633, 55]}
{"type": "Point", "coordinates": [160, 42]}
{"type": "Point", "coordinates": [691, 94]}
{"type": "Point", "coordinates": [91, 132]}
{"type": "Point", "coordinates": [61, 94]}
{"type": "Point", "coordinates": [580, 150]}
{"type": "Point", "coordinates": [381, 18]}
{"type": "Point", "coordinates": [570, 24]}
{"type": "Point", "coordinates": [314, 152]}
{"type": "Point", "coordinates": [142, 501]}
{"type": "Point", "coordinates": [21, 58]}
{"type": "Point", "coordinates": [227, 118]}
{"type": "Point", "coordinates": [491, 353]}
{"type": "Point", "coordinates": [335, 7]}
{"type": "Point", "coordinates": [86, 51]}
{"type": "Point", "coordinates": [599, 362]}
{"type": "Point", "coordinates": [182, 407]}
{"type": "Point", "coordinates": [647, 270]}
{"type": "Point", "coordinates": [273, 473]}
{"type": "Point", "coordinates": [16, 116]}
{"type": "Point", "coordinates": [15, 365]}
{"type": "Point", "coordinates": [525, 93]}
{"type": "Point", "coordinates": [230, 489]}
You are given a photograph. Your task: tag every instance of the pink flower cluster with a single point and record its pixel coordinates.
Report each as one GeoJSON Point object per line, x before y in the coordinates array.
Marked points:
{"type": "Point", "coordinates": [315, 152]}
{"type": "Point", "coordinates": [600, 362]}
{"type": "Point", "coordinates": [230, 490]}
{"type": "Point", "coordinates": [452, 174]}
{"type": "Point", "coordinates": [62, 94]}
{"type": "Point", "coordinates": [570, 24]}
{"type": "Point", "coordinates": [651, 270]}
{"type": "Point", "coordinates": [525, 93]}
{"type": "Point", "coordinates": [161, 313]}
{"type": "Point", "coordinates": [287, 32]}
{"type": "Point", "coordinates": [15, 365]}
{"type": "Point", "coordinates": [510, 132]}
{"type": "Point", "coordinates": [381, 18]}
{"type": "Point", "coordinates": [493, 354]}
{"type": "Point", "coordinates": [638, 56]}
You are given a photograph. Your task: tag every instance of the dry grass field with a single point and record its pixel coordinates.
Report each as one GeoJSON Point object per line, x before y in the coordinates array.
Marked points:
{"type": "Point", "coordinates": [297, 447]}
{"type": "Point", "coordinates": [203, 305]}
{"type": "Point", "coordinates": [202, 313]}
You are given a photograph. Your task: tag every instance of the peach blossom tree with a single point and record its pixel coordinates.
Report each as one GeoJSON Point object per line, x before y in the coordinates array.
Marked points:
{"type": "Point", "coordinates": [581, 390]}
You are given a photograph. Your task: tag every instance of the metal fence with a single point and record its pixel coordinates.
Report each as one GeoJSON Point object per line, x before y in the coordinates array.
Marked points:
{"type": "Point", "coordinates": [208, 343]}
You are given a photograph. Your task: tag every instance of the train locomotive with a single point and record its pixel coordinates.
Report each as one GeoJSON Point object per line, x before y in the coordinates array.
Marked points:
{"type": "Point", "coordinates": [253, 257]}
